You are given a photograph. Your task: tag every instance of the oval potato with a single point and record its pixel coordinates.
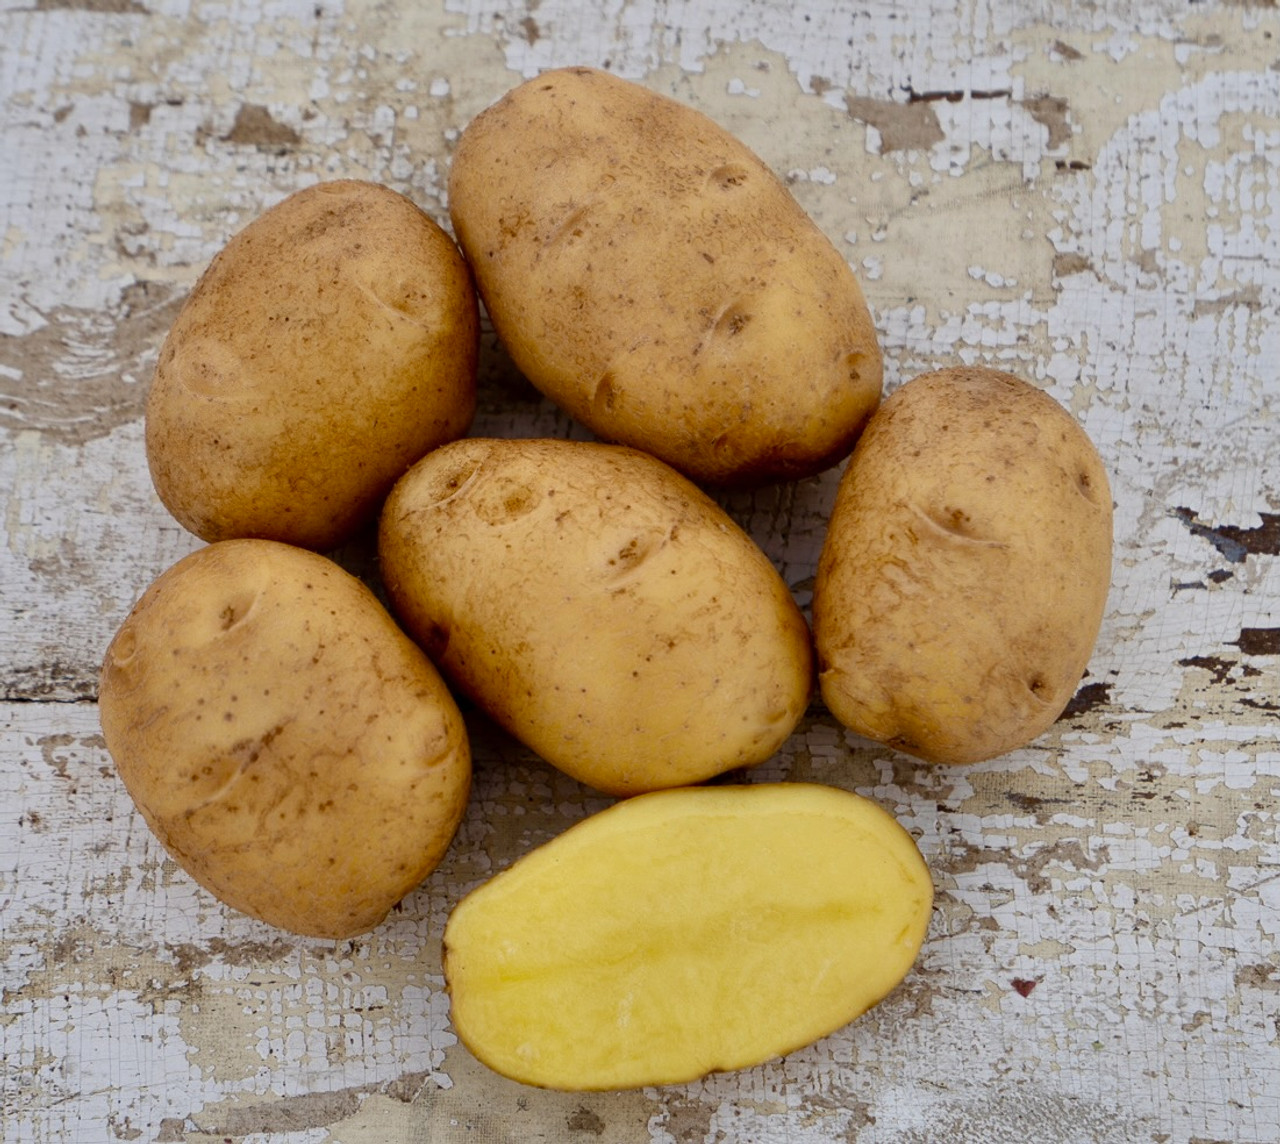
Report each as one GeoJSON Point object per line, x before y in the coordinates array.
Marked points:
{"type": "Point", "coordinates": [965, 570]}
{"type": "Point", "coordinates": [654, 278]}
{"type": "Point", "coordinates": [327, 347]}
{"type": "Point", "coordinates": [291, 748]}
{"type": "Point", "coordinates": [685, 932]}
{"type": "Point", "coordinates": [599, 607]}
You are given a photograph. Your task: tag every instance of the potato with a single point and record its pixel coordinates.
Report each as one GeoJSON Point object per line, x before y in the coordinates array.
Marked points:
{"type": "Point", "coordinates": [649, 274]}
{"type": "Point", "coordinates": [599, 607]}
{"type": "Point", "coordinates": [965, 569]}
{"type": "Point", "coordinates": [330, 344]}
{"type": "Point", "coordinates": [292, 749]}
{"type": "Point", "coordinates": [684, 932]}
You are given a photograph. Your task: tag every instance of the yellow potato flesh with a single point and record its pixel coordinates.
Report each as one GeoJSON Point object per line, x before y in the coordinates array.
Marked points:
{"type": "Point", "coordinates": [684, 932]}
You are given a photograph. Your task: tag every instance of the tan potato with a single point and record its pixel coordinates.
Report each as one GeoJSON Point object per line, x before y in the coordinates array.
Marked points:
{"type": "Point", "coordinates": [653, 277]}
{"type": "Point", "coordinates": [292, 749]}
{"type": "Point", "coordinates": [330, 344]}
{"type": "Point", "coordinates": [965, 570]}
{"type": "Point", "coordinates": [686, 932]}
{"type": "Point", "coordinates": [599, 606]}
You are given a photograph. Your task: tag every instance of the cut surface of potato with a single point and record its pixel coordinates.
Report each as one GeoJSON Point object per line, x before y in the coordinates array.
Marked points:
{"type": "Point", "coordinates": [684, 932]}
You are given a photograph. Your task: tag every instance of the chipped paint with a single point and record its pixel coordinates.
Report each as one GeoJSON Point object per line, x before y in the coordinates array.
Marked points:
{"type": "Point", "coordinates": [84, 372]}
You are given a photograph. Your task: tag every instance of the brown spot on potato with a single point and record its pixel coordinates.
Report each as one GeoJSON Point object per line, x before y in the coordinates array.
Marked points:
{"type": "Point", "coordinates": [451, 482]}
{"type": "Point", "coordinates": [635, 552]}
{"type": "Point", "coordinates": [250, 750]}
{"type": "Point", "coordinates": [1084, 485]}
{"type": "Point", "coordinates": [235, 611]}
{"type": "Point", "coordinates": [570, 227]}
{"type": "Point", "coordinates": [627, 554]}
{"type": "Point", "coordinates": [518, 502]}
{"type": "Point", "coordinates": [855, 363]}
{"type": "Point", "coordinates": [435, 641]}
{"type": "Point", "coordinates": [501, 500]}
{"type": "Point", "coordinates": [728, 177]}
{"type": "Point", "coordinates": [124, 647]}
{"type": "Point", "coordinates": [732, 320]}
{"type": "Point", "coordinates": [955, 523]}
{"type": "Point", "coordinates": [606, 394]}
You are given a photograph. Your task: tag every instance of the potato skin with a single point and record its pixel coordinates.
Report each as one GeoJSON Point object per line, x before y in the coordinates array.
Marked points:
{"type": "Point", "coordinates": [330, 344]}
{"type": "Point", "coordinates": [653, 277]}
{"type": "Point", "coordinates": [291, 748]}
{"type": "Point", "coordinates": [598, 606]}
{"type": "Point", "coordinates": [965, 570]}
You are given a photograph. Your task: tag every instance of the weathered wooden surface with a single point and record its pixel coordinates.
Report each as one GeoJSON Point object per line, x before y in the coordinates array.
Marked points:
{"type": "Point", "coordinates": [1087, 194]}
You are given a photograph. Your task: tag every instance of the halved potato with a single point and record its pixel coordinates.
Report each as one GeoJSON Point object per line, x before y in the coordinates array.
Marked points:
{"type": "Point", "coordinates": [686, 931]}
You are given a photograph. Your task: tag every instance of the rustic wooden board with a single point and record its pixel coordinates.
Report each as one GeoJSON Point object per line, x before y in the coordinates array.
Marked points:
{"type": "Point", "coordinates": [1088, 195]}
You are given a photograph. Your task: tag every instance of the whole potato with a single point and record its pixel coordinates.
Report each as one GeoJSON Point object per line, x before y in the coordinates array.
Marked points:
{"type": "Point", "coordinates": [599, 606]}
{"type": "Point", "coordinates": [330, 344]}
{"type": "Point", "coordinates": [653, 277]}
{"type": "Point", "coordinates": [292, 749]}
{"type": "Point", "coordinates": [965, 570]}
